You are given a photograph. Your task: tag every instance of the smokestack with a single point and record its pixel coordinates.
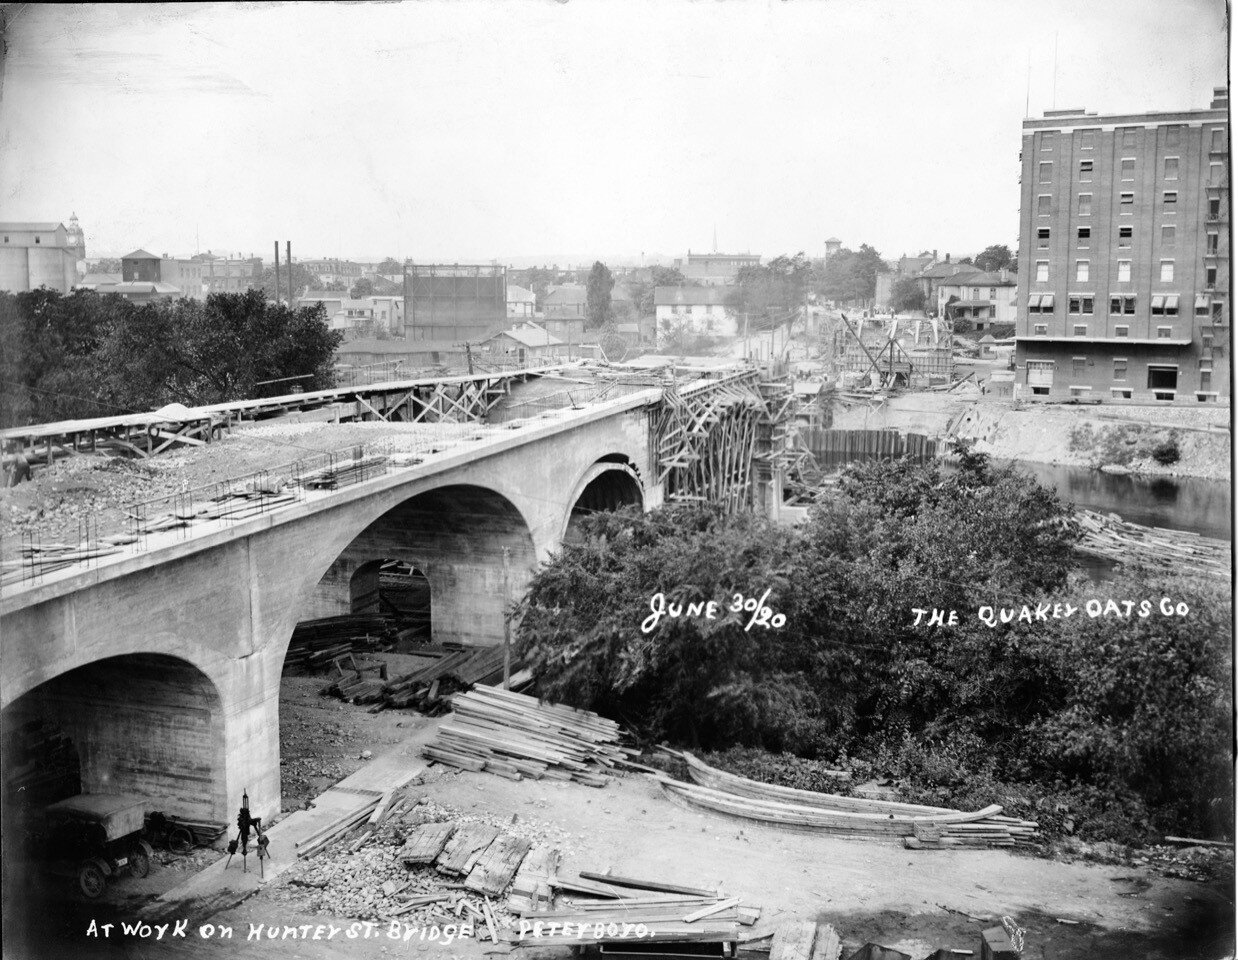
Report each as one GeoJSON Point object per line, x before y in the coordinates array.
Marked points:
{"type": "Point", "coordinates": [277, 271]}
{"type": "Point", "coordinates": [288, 264]}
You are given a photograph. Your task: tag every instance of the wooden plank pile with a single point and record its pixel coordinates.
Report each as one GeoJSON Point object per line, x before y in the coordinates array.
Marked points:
{"type": "Point", "coordinates": [1178, 551]}
{"type": "Point", "coordinates": [343, 473]}
{"type": "Point", "coordinates": [517, 736]}
{"type": "Point", "coordinates": [316, 643]}
{"type": "Point", "coordinates": [921, 827]}
{"type": "Point", "coordinates": [358, 826]}
{"type": "Point", "coordinates": [39, 559]}
{"type": "Point", "coordinates": [671, 913]}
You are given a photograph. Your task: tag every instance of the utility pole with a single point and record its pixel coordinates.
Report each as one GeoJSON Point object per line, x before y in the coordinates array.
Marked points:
{"type": "Point", "coordinates": [468, 356]}
{"type": "Point", "coordinates": [507, 621]}
{"type": "Point", "coordinates": [277, 271]}
{"type": "Point", "coordinates": [288, 263]}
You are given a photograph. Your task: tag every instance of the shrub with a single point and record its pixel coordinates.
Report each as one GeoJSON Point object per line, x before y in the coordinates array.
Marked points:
{"type": "Point", "coordinates": [1165, 450]}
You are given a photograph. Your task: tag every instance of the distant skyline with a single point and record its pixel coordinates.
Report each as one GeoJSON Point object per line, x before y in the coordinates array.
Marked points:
{"type": "Point", "coordinates": [480, 130]}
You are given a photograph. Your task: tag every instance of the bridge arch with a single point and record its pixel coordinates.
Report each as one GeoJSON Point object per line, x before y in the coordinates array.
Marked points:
{"type": "Point", "coordinates": [147, 724]}
{"type": "Point", "coordinates": [470, 542]}
{"type": "Point", "coordinates": [610, 483]}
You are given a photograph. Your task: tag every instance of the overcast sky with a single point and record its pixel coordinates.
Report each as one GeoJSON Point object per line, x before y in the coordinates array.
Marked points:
{"type": "Point", "coordinates": [479, 130]}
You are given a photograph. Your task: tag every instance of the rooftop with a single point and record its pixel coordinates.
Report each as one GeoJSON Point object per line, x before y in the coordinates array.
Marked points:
{"type": "Point", "coordinates": [529, 334]}
{"type": "Point", "coordinates": [690, 296]}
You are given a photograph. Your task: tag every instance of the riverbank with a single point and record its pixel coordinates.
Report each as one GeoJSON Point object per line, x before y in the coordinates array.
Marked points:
{"type": "Point", "coordinates": [1117, 439]}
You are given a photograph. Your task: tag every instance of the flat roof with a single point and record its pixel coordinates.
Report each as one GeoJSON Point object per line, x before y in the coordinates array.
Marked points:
{"type": "Point", "coordinates": [1136, 341]}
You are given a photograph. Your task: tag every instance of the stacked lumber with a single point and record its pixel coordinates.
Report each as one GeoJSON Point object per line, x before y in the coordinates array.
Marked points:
{"type": "Point", "coordinates": [923, 827]}
{"type": "Point", "coordinates": [205, 832]}
{"type": "Point", "coordinates": [670, 912]}
{"type": "Point", "coordinates": [357, 827]}
{"type": "Point", "coordinates": [316, 643]}
{"type": "Point", "coordinates": [1177, 551]}
{"type": "Point", "coordinates": [39, 559]}
{"type": "Point", "coordinates": [238, 503]}
{"type": "Point", "coordinates": [343, 473]}
{"type": "Point", "coordinates": [517, 736]}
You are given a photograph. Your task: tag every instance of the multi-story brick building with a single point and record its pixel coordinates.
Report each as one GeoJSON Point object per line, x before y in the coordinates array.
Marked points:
{"type": "Point", "coordinates": [187, 275]}
{"type": "Point", "coordinates": [229, 274]}
{"type": "Point", "coordinates": [1124, 247]}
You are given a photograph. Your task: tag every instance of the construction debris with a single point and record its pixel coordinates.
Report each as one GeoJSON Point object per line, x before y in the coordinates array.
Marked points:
{"type": "Point", "coordinates": [517, 736]}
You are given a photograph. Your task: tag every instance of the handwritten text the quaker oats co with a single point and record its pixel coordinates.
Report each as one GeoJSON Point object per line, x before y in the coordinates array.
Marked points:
{"type": "Point", "coordinates": [1033, 613]}
{"type": "Point", "coordinates": [761, 615]}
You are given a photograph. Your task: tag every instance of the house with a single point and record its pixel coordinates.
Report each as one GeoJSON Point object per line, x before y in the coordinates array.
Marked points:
{"type": "Point", "coordinates": [571, 330]}
{"type": "Point", "coordinates": [983, 298]}
{"type": "Point", "coordinates": [523, 342]}
{"type": "Point", "coordinates": [703, 310]}
{"type": "Point", "coordinates": [187, 275]}
{"type": "Point", "coordinates": [40, 254]}
{"type": "Point", "coordinates": [521, 302]}
{"type": "Point", "coordinates": [333, 270]}
{"type": "Point", "coordinates": [567, 300]}
{"type": "Point", "coordinates": [230, 274]}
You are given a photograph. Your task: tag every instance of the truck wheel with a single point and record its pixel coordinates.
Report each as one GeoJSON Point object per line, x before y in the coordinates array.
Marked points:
{"type": "Point", "coordinates": [90, 880]}
{"type": "Point", "coordinates": [180, 840]}
{"type": "Point", "coordinates": [139, 860]}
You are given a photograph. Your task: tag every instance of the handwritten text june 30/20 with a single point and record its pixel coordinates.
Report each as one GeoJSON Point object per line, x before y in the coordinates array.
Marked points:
{"type": "Point", "coordinates": [760, 614]}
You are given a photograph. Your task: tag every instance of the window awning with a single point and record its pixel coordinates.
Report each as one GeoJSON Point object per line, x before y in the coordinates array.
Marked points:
{"type": "Point", "coordinates": [1201, 301]}
{"type": "Point", "coordinates": [1158, 302]}
{"type": "Point", "coordinates": [1033, 301]}
{"type": "Point", "coordinates": [1046, 301]}
{"type": "Point", "coordinates": [1171, 301]}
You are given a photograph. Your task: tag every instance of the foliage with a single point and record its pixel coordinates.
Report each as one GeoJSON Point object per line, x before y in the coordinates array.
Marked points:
{"type": "Point", "coordinates": [851, 274]}
{"type": "Point", "coordinates": [302, 279]}
{"type": "Point", "coordinates": [362, 288]}
{"type": "Point", "coordinates": [995, 257]}
{"type": "Point", "coordinates": [1165, 451]}
{"type": "Point", "coordinates": [106, 265]}
{"type": "Point", "coordinates": [88, 354]}
{"type": "Point", "coordinates": [597, 296]}
{"type": "Point", "coordinates": [390, 267]}
{"type": "Point", "coordinates": [770, 294]}
{"type": "Point", "coordinates": [906, 295]}
{"type": "Point", "coordinates": [1114, 726]}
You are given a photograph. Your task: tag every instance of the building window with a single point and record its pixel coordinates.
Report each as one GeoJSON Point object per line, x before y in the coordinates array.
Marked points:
{"type": "Point", "coordinates": [1173, 135]}
{"type": "Point", "coordinates": [1042, 271]}
{"type": "Point", "coordinates": [1042, 204]}
{"type": "Point", "coordinates": [1087, 140]}
{"type": "Point", "coordinates": [1121, 305]}
{"type": "Point", "coordinates": [1128, 136]}
{"type": "Point", "coordinates": [1218, 309]}
{"type": "Point", "coordinates": [1171, 168]}
{"type": "Point", "coordinates": [1171, 197]}
{"type": "Point", "coordinates": [1046, 141]}
{"type": "Point", "coordinates": [1210, 277]}
{"type": "Point", "coordinates": [1218, 139]}
{"type": "Point", "coordinates": [1201, 305]}
{"type": "Point", "coordinates": [1214, 208]}
{"type": "Point", "coordinates": [38, 239]}
{"type": "Point", "coordinates": [1042, 238]}
{"type": "Point", "coordinates": [1164, 333]}
{"type": "Point", "coordinates": [1085, 171]}
{"type": "Point", "coordinates": [1124, 271]}
{"type": "Point", "coordinates": [1081, 305]}
{"type": "Point", "coordinates": [1119, 369]}
{"type": "Point", "coordinates": [1085, 204]}
{"type": "Point", "coordinates": [1171, 305]}
{"type": "Point", "coordinates": [1216, 171]}
{"type": "Point", "coordinates": [1080, 329]}
{"type": "Point", "coordinates": [1120, 394]}
{"type": "Point", "coordinates": [1121, 330]}
{"type": "Point", "coordinates": [1081, 271]}
{"type": "Point", "coordinates": [1078, 366]}
{"type": "Point", "coordinates": [1169, 235]}
{"type": "Point", "coordinates": [1206, 340]}
{"type": "Point", "coordinates": [1213, 240]}
{"type": "Point", "coordinates": [6, 239]}
{"type": "Point", "coordinates": [992, 293]}
{"type": "Point", "coordinates": [1128, 168]}
{"type": "Point", "coordinates": [1085, 236]}
{"type": "Point", "coordinates": [1046, 172]}
{"type": "Point", "coordinates": [1205, 381]}
{"type": "Point", "coordinates": [1126, 200]}
{"type": "Point", "coordinates": [1125, 235]}
{"type": "Point", "coordinates": [1041, 329]}
{"type": "Point", "coordinates": [1167, 271]}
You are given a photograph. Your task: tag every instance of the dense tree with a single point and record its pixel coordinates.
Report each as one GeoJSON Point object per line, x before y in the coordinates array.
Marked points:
{"type": "Point", "coordinates": [1097, 710]}
{"type": "Point", "coordinates": [771, 293]}
{"type": "Point", "coordinates": [642, 292]}
{"type": "Point", "coordinates": [995, 257]}
{"type": "Point", "coordinates": [597, 296]}
{"type": "Point", "coordinates": [362, 288]}
{"type": "Point", "coordinates": [851, 274]}
{"type": "Point", "coordinates": [390, 267]}
{"type": "Point", "coordinates": [906, 294]}
{"type": "Point", "coordinates": [106, 265]}
{"type": "Point", "coordinates": [93, 355]}
{"type": "Point", "coordinates": [302, 279]}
